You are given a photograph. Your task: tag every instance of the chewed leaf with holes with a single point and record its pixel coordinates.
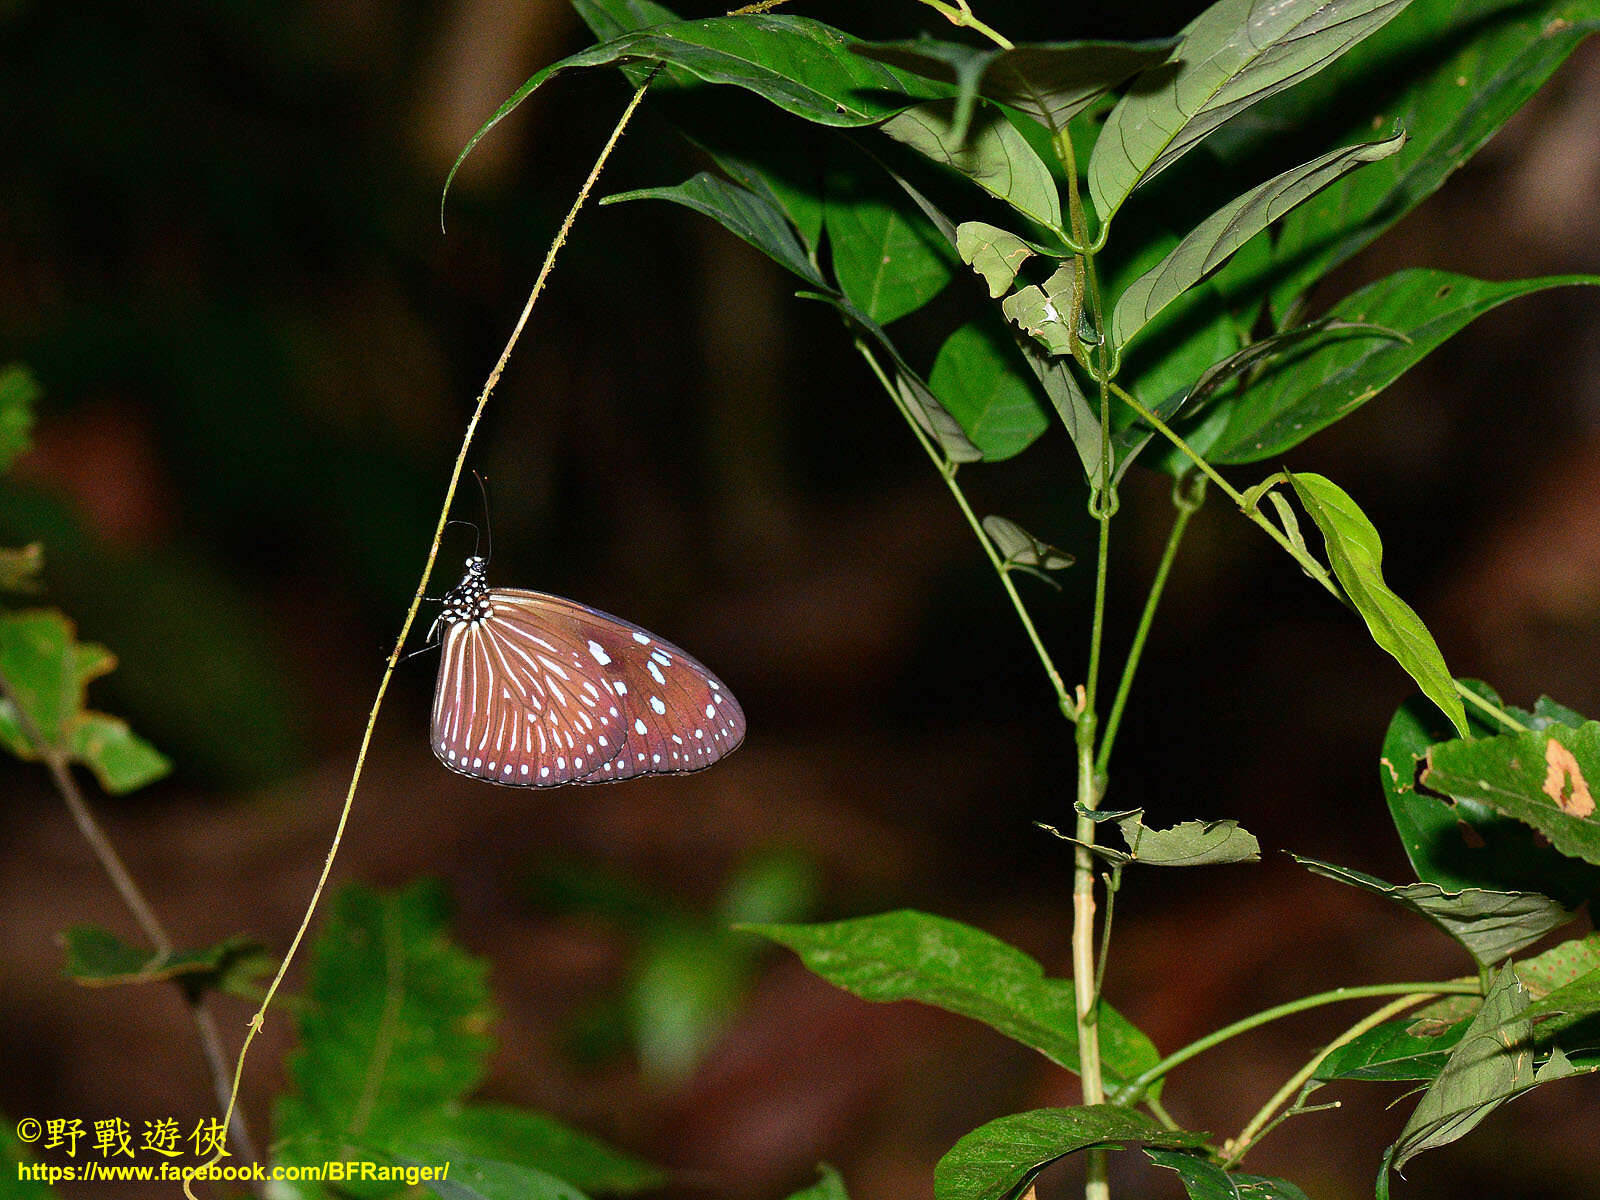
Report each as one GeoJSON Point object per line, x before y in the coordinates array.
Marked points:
{"type": "Point", "coordinates": [537, 691]}
{"type": "Point", "coordinates": [48, 670]}
{"type": "Point", "coordinates": [1545, 778]}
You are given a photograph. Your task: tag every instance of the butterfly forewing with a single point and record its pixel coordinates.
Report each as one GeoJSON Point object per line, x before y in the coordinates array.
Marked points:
{"type": "Point", "coordinates": [520, 709]}
{"type": "Point", "coordinates": [539, 691]}
{"type": "Point", "coordinates": [671, 712]}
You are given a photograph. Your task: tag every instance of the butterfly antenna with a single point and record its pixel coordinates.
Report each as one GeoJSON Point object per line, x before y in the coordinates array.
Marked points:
{"type": "Point", "coordinates": [488, 529]}
{"type": "Point", "coordinates": [469, 525]}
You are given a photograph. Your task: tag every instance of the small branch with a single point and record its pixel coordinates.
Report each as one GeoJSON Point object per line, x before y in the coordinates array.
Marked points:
{"type": "Point", "coordinates": [959, 13]}
{"type": "Point", "coordinates": [947, 471]}
{"type": "Point", "coordinates": [1186, 506]}
{"type": "Point", "coordinates": [122, 880]}
{"type": "Point", "coordinates": [1130, 1092]}
{"type": "Point", "coordinates": [1263, 1123]}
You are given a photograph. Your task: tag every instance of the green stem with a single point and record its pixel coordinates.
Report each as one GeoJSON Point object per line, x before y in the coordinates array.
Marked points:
{"type": "Point", "coordinates": [1186, 508]}
{"type": "Point", "coordinates": [1130, 1092]}
{"type": "Point", "coordinates": [947, 471]}
{"type": "Point", "coordinates": [959, 14]}
{"type": "Point", "coordinates": [1494, 712]}
{"type": "Point", "coordinates": [1091, 784]}
{"type": "Point", "coordinates": [1263, 1122]}
{"type": "Point", "coordinates": [1312, 567]}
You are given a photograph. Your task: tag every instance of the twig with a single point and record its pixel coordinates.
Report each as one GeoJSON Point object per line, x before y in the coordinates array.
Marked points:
{"type": "Point", "coordinates": [122, 880]}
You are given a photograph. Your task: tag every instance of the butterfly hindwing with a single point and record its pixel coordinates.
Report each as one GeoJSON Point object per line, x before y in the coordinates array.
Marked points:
{"type": "Point", "coordinates": [674, 716]}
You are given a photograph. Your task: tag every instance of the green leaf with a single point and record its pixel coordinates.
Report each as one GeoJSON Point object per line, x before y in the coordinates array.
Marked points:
{"type": "Point", "coordinates": [998, 1160]}
{"type": "Point", "coordinates": [1203, 1179]}
{"type": "Point", "coordinates": [1491, 1064]}
{"type": "Point", "coordinates": [829, 1187]}
{"type": "Point", "coordinates": [1463, 842]}
{"type": "Point", "coordinates": [993, 253]}
{"type": "Point", "coordinates": [96, 957]}
{"type": "Point", "coordinates": [936, 420]}
{"type": "Point", "coordinates": [1234, 54]}
{"type": "Point", "coordinates": [486, 1179]}
{"type": "Point", "coordinates": [18, 1185]}
{"type": "Point", "coordinates": [1052, 82]}
{"type": "Point", "coordinates": [1356, 555]}
{"type": "Point", "coordinates": [1046, 312]}
{"type": "Point", "coordinates": [47, 671]}
{"type": "Point", "coordinates": [1018, 547]}
{"type": "Point", "coordinates": [978, 378]}
{"type": "Point", "coordinates": [1450, 74]}
{"type": "Point", "coordinates": [1490, 926]}
{"type": "Point", "coordinates": [993, 155]}
{"type": "Point", "coordinates": [1567, 1005]}
{"type": "Point", "coordinates": [391, 1025]}
{"type": "Point", "coordinates": [19, 393]}
{"type": "Point", "coordinates": [886, 260]}
{"type": "Point", "coordinates": [1189, 844]}
{"type": "Point", "coordinates": [1078, 416]}
{"type": "Point", "coordinates": [528, 1139]}
{"type": "Point", "coordinates": [801, 65]}
{"type": "Point", "coordinates": [1393, 1052]}
{"type": "Point", "coordinates": [1215, 239]}
{"type": "Point", "coordinates": [1306, 392]}
{"type": "Point", "coordinates": [1541, 778]}
{"type": "Point", "coordinates": [740, 211]}
{"type": "Point", "coordinates": [909, 955]}
{"type": "Point", "coordinates": [20, 568]}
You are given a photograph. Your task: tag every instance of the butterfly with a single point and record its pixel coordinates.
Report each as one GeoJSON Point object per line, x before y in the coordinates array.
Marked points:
{"type": "Point", "coordinates": [538, 691]}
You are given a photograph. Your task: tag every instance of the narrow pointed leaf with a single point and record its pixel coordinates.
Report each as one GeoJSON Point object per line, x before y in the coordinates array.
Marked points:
{"type": "Point", "coordinates": [1488, 925]}
{"type": "Point", "coordinates": [1492, 1064]}
{"type": "Point", "coordinates": [910, 955]}
{"type": "Point", "coordinates": [1450, 74]}
{"type": "Point", "coordinates": [886, 259]}
{"type": "Point", "coordinates": [993, 155]}
{"type": "Point", "coordinates": [1017, 546]}
{"type": "Point", "coordinates": [936, 420]}
{"type": "Point", "coordinates": [1393, 1053]}
{"type": "Point", "coordinates": [1051, 82]}
{"type": "Point", "coordinates": [1356, 555]}
{"type": "Point", "coordinates": [1233, 55]}
{"type": "Point", "coordinates": [1216, 238]}
{"type": "Point", "coordinates": [997, 1160]}
{"type": "Point", "coordinates": [1544, 778]}
{"type": "Point", "coordinates": [1078, 417]}
{"type": "Point", "coordinates": [1190, 844]}
{"type": "Point", "coordinates": [980, 379]}
{"type": "Point", "coordinates": [741, 212]}
{"type": "Point", "coordinates": [1303, 393]}
{"type": "Point", "coordinates": [799, 64]}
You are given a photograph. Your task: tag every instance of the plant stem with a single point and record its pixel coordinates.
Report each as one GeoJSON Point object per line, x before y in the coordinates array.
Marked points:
{"type": "Point", "coordinates": [1186, 508]}
{"type": "Point", "coordinates": [958, 13]}
{"type": "Point", "coordinates": [1130, 1092]}
{"type": "Point", "coordinates": [1260, 1124]}
{"type": "Point", "coordinates": [122, 880]}
{"type": "Point", "coordinates": [257, 1021]}
{"type": "Point", "coordinates": [1091, 784]}
{"type": "Point", "coordinates": [947, 471]}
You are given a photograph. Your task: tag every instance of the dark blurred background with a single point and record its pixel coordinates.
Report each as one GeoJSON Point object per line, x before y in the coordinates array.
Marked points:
{"type": "Point", "coordinates": [220, 254]}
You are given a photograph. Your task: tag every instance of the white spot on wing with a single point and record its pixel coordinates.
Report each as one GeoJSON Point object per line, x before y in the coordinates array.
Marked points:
{"type": "Point", "coordinates": [600, 656]}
